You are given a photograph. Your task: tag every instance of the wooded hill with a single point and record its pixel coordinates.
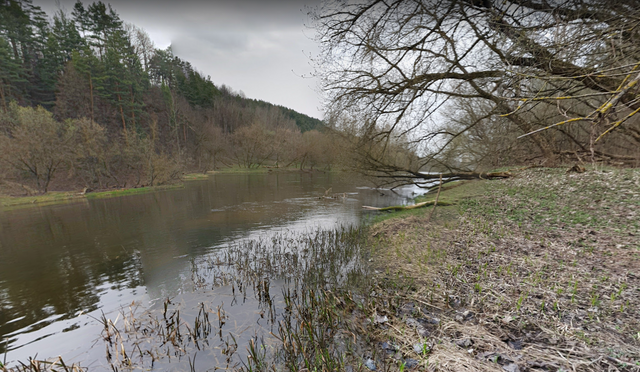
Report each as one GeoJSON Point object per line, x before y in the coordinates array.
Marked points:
{"type": "Point", "coordinates": [116, 111]}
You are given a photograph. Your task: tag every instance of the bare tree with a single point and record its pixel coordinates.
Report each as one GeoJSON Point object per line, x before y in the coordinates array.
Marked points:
{"type": "Point", "coordinates": [211, 144]}
{"type": "Point", "coordinates": [251, 145]}
{"type": "Point", "coordinates": [37, 146]}
{"type": "Point", "coordinates": [141, 41]}
{"type": "Point", "coordinates": [404, 63]}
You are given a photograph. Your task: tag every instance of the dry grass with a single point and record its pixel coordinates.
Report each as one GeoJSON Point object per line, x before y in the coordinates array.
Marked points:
{"type": "Point", "coordinates": [541, 272]}
{"type": "Point", "coordinates": [49, 365]}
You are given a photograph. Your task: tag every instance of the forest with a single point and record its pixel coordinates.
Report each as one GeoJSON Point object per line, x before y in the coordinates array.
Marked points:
{"type": "Point", "coordinates": [88, 101]}
{"type": "Point", "coordinates": [460, 87]}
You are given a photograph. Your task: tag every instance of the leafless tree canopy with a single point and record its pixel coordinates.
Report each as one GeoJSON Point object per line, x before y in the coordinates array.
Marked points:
{"type": "Point", "coordinates": [440, 75]}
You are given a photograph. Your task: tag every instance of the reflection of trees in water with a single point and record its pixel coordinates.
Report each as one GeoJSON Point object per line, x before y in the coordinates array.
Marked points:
{"type": "Point", "coordinates": [246, 293]}
{"type": "Point", "coordinates": [58, 262]}
{"type": "Point", "coordinates": [63, 286]}
{"type": "Point", "coordinates": [62, 259]}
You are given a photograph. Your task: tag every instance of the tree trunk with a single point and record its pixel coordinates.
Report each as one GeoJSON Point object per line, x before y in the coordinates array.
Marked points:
{"type": "Point", "coordinates": [420, 178]}
{"type": "Point", "coordinates": [14, 46]}
{"type": "Point", "coordinates": [133, 111]}
{"type": "Point", "coordinates": [406, 207]}
{"type": "Point", "coordinates": [2, 97]}
{"type": "Point", "coordinates": [91, 96]}
{"type": "Point", "coordinates": [124, 123]}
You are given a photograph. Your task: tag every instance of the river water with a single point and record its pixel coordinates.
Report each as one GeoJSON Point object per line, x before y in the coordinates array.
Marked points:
{"type": "Point", "coordinates": [64, 266]}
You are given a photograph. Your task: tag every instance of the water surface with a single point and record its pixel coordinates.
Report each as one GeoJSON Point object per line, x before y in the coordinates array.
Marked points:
{"type": "Point", "coordinates": [65, 265]}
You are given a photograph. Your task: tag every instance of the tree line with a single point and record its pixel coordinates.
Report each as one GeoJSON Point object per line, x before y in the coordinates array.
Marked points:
{"type": "Point", "coordinates": [467, 85]}
{"type": "Point", "coordinates": [87, 100]}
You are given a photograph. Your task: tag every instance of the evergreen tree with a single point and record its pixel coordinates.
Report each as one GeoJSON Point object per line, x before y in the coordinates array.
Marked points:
{"type": "Point", "coordinates": [143, 103]}
{"type": "Point", "coordinates": [11, 75]}
{"type": "Point", "coordinates": [88, 67]}
{"type": "Point", "coordinates": [15, 29]}
{"type": "Point", "coordinates": [124, 79]}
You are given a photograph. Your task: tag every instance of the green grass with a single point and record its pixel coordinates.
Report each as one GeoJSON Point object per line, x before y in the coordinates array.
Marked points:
{"type": "Point", "coordinates": [196, 176]}
{"type": "Point", "coordinates": [550, 197]}
{"type": "Point", "coordinates": [263, 169]}
{"type": "Point", "coordinates": [238, 169]}
{"type": "Point", "coordinates": [57, 197]}
{"type": "Point", "coordinates": [11, 202]}
{"type": "Point", "coordinates": [455, 191]}
{"type": "Point", "coordinates": [383, 216]}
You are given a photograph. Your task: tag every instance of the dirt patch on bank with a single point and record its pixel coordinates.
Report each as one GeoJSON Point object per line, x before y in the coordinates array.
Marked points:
{"type": "Point", "coordinates": [540, 272]}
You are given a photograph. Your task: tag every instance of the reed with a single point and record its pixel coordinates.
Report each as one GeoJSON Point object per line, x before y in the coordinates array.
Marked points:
{"type": "Point", "coordinates": [305, 312]}
{"type": "Point", "coordinates": [312, 294]}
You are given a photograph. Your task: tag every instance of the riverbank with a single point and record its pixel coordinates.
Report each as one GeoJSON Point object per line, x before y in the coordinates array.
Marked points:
{"type": "Point", "coordinates": [56, 197]}
{"type": "Point", "coordinates": [9, 201]}
{"type": "Point", "coordinates": [536, 272]}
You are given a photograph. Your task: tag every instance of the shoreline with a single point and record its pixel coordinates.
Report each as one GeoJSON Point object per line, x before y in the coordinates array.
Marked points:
{"type": "Point", "coordinates": [512, 275]}
{"type": "Point", "coordinates": [534, 272]}
{"type": "Point", "coordinates": [8, 202]}
{"type": "Point", "coordinates": [61, 197]}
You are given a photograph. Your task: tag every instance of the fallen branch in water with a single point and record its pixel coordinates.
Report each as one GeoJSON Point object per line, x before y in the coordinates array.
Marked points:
{"type": "Point", "coordinates": [421, 179]}
{"type": "Point", "coordinates": [406, 207]}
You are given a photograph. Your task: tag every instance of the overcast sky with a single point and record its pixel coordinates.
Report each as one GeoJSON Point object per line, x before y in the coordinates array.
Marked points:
{"type": "Point", "coordinates": [261, 48]}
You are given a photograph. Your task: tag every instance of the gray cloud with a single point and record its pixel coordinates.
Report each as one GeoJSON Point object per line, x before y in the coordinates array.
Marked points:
{"type": "Point", "coordinates": [227, 42]}
{"type": "Point", "coordinates": [259, 47]}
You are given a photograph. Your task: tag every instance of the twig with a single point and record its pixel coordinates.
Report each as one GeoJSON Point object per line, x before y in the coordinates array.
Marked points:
{"type": "Point", "coordinates": [435, 204]}
{"type": "Point", "coordinates": [428, 304]}
{"type": "Point", "coordinates": [6, 350]}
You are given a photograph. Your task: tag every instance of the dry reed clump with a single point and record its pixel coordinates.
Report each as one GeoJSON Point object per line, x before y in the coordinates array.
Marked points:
{"type": "Point", "coordinates": [540, 273]}
{"type": "Point", "coordinates": [295, 324]}
{"type": "Point", "coordinates": [47, 365]}
{"type": "Point", "coordinates": [277, 302]}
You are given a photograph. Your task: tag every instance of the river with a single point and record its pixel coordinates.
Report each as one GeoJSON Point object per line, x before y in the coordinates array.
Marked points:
{"type": "Point", "coordinates": [65, 265]}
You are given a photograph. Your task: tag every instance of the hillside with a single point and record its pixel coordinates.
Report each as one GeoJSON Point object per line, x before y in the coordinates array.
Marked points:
{"type": "Point", "coordinates": [119, 112]}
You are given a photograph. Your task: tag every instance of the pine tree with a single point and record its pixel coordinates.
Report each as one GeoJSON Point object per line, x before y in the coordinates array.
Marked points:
{"type": "Point", "coordinates": [10, 75]}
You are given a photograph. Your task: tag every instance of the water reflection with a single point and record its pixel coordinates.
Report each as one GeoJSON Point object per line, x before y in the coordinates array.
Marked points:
{"type": "Point", "coordinates": [65, 264]}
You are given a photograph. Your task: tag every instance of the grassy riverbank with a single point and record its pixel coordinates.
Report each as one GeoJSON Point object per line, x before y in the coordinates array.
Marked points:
{"type": "Point", "coordinates": [56, 197]}
{"type": "Point", "coordinates": [265, 169]}
{"type": "Point", "coordinates": [9, 201]}
{"type": "Point", "coordinates": [536, 272]}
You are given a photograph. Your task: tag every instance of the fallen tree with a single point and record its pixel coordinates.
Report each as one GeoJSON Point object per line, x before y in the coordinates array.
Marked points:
{"type": "Point", "coordinates": [396, 208]}
{"type": "Point", "coordinates": [426, 180]}
{"type": "Point", "coordinates": [461, 86]}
